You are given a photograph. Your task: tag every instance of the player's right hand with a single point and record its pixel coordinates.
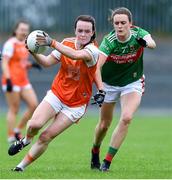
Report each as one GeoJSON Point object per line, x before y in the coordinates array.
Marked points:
{"type": "Point", "coordinates": [99, 97]}
{"type": "Point", "coordinates": [43, 39]}
{"type": "Point", "coordinates": [9, 85]}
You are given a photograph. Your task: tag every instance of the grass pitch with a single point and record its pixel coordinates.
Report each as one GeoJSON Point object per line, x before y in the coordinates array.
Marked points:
{"type": "Point", "coordinates": [146, 152]}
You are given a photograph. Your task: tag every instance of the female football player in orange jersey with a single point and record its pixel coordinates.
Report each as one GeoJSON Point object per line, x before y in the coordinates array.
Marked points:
{"type": "Point", "coordinates": [15, 82]}
{"type": "Point", "coordinates": [70, 91]}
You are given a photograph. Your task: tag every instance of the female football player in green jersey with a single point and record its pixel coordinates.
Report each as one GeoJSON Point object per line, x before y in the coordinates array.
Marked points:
{"type": "Point", "coordinates": [120, 66]}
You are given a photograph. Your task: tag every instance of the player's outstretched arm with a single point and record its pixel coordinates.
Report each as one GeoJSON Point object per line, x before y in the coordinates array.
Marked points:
{"type": "Point", "coordinates": [45, 61]}
{"type": "Point", "coordinates": [97, 77]}
{"type": "Point", "coordinates": [150, 42]}
{"type": "Point", "coordinates": [46, 40]}
{"type": "Point", "coordinates": [147, 41]}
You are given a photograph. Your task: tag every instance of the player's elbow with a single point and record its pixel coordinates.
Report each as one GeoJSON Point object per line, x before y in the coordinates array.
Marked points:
{"type": "Point", "coordinates": [152, 45]}
{"type": "Point", "coordinates": [48, 61]}
{"type": "Point", "coordinates": [46, 64]}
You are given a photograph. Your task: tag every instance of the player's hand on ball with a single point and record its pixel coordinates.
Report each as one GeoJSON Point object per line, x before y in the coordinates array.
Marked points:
{"type": "Point", "coordinates": [31, 42]}
{"type": "Point", "coordinates": [99, 97]}
{"type": "Point", "coordinates": [43, 39]}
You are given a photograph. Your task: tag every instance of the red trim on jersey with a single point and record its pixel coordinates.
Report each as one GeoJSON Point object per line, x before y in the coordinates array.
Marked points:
{"type": "Point", "coordinates": [126, 58]}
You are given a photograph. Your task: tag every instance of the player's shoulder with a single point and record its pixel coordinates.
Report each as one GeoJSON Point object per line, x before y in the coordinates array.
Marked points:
{"type": "Point", "coordinates": [136, 30]}
{"type": "Point", "coordinates": [9, 45]}
{"type": "Point", "coordinates": [134, 27]}
{"type": "Point", "coordinates": [111, 36]}
{"type": "Point", "coordinates": [92, 45]}
{"type": "Point", "coordinates": [11, 41]}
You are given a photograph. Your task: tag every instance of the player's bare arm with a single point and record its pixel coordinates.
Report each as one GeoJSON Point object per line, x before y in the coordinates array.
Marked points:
{"type": "Point", "coordinates": [67, 51]}
{"type": "Point", "coordinates": [5, 67]}
{"type": "Point", "coordinates": [71, 53]}
{"type": "Point", "coordinates": [97, 77]}
{"type": "Point", "coordinates": [45, 61]}
{"type": "Point", "coordinates": [150, 42]}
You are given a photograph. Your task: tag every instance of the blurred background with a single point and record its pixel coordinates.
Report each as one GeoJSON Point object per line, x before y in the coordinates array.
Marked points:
{"type": "Point", "coordinates": [57, 17]}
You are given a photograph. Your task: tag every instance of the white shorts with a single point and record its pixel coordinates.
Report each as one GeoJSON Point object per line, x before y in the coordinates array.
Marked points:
{"type": "Point", "coordinates": [17, 88]}
{"type": "Point", "coordinates": [113, 93]}
{"type": "Point", "coordinates": [73, 113]}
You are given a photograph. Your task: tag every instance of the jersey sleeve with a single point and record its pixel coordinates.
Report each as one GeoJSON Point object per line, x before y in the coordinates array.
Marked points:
{"type": "Point", "coordinates": [105, 46]}
{"type": "Point", "coordinates": [142, 33]}
{"type": "Point", "coordinates": [8, 49]}
{"type": "Point", "coordinates": [56, 54]}
{"type": "Point", "coordinates": [94, 52]}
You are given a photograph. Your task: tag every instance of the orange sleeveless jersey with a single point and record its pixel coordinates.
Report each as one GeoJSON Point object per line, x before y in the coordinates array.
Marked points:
{"type": "Point", "coordinates": [17, 63]}
{"type": "Point", "coordinates": [73, 83]}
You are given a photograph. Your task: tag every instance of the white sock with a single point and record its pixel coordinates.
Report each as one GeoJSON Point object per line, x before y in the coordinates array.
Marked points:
{"type": "Point", "coordinates": [25, 162]}
{"type": "Point", "coordinates": [21, 165]}
{"type": "Point", "coordinates": [26, 141]}
{"type": "Point", "coordinates": [16, 130]}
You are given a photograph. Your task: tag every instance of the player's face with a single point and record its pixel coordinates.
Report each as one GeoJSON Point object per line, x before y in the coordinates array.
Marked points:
{"type": "Point", "coordinates": [122, 26]}
{"type": "Point", "coordinates": [22, 31]}
{"type": "Point", "coordinates": [83, 32]}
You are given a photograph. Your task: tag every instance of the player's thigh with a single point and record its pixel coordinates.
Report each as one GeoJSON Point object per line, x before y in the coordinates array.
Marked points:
{"type": "Point", "coordinates": [131, 95]}
{"type": "Point", "coordinates": [58, 125]}
{"type": "Point", "coordinates": [130, 102]}
{"type": "Point", "coordinates": [29, 96]}
{"type": "Point", "coordinates": [13, 100]}
{"type": "Point", "coordinates": [106, 112]}
{"type": "Point", "coordinates": [42, 114]}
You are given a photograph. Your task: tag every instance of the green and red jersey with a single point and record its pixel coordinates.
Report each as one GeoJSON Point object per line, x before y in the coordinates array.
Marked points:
{"type": "Point", "coordinates": [124, 63]}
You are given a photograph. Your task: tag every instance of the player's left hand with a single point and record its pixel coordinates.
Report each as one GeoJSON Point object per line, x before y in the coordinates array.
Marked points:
{"type": "Point", "coordinates": [142, 42]}
{"type": "Point", "coordinates": [99, 97]}
{"type": "Point", "coordinates": [43, 39]}
{"type": "Point", "coordinates": [36, 65]}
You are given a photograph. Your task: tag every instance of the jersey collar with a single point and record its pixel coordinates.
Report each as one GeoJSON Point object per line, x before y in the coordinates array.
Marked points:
{"type": "Point", "coordinates": [125, 40]}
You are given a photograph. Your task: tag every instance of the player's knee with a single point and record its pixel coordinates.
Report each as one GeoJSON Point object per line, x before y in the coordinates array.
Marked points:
{"type": "Point", "coordinates": [126, 118]}
{"type": "Point", "coordinates": [14, 109]}
{"type": "Point", "coordinates": [33, 125]}
{"type": "Point", "coordinates": [33, 106]}
{"type": "Point", "coordinates": [45, 137]}
{"type": "Point", "coordinates": [104, 125]}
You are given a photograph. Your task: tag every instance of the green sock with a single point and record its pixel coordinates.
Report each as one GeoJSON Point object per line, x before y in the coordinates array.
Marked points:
{"type": "Point", "coordinates": [111, 153]}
